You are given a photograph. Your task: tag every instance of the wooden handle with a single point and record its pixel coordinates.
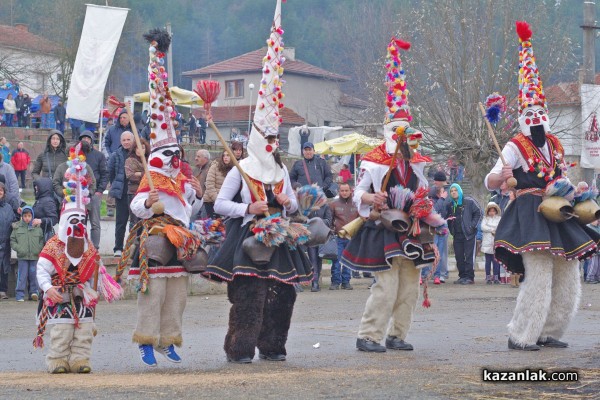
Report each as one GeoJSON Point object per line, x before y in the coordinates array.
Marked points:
{"type": "Point", "coordinates": [139, 145]}
{"type": "Point", "coordinates": [235, 162]}
{"type": "Point", "coordinates": [511, 182]}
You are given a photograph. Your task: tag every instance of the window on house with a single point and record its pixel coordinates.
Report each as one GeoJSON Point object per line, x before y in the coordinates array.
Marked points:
{"type": "Point", "coordinates": [234, 88]}
{"type": "Point", "coordinates": [41, 79]}
{"type": "Point", "coordinates": [326, 123]}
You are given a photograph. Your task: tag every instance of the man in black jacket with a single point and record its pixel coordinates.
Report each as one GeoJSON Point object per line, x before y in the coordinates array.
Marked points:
{"type": "Point", "coordinates": [463, 214]}
{"type": "Point", "coordinates": [60, 114]}
{"type": "Point", "coordinates": [97, 162]}
{"type": "Point", "coordinates": [318, 170]}
{"type": "Point", "coordinates": [112, 140]}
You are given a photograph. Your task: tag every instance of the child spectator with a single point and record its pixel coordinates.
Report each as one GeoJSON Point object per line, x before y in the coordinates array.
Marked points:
{"type": "Point", "coordinates": [45, 207]}
{"type": "Point", "coordinates": [345, 173]}
{"type": "Point", "coordinates": [488, 227]}
{"type": "Point", "coordinates": [27, 240]}
{"type": "Point", "coordinates": [20, 161]}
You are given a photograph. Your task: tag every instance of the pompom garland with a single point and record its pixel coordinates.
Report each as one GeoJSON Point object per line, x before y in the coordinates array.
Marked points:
{"type": "Point", "coordinates": [561, 187]}
{"type": "Point", "coordinates": [76, 185]}
{"type": "Point", "coordinates": [211, 231]}
{"type": "Point", "coordinates": [162, 117]}
{"type": "Point", "coordinates": [397, 94]}
{"type": "Point", "coordinates": [590, 194]}
{"type": "Point", "coordinates": [531, 92]}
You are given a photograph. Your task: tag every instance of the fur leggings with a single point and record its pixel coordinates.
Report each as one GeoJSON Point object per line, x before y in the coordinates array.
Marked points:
{"type": "Point", "coordinates": [548, 298]}
{"type": "Point", "coordinates": [260, 316]}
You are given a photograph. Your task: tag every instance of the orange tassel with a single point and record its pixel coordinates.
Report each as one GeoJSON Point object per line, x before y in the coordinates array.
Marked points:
{"type": "Point", "coordinates": [175, 234]}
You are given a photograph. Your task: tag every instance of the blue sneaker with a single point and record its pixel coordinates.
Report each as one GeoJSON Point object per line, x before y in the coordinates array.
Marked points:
{"type": "Point", "coordinates": [147, 354]}
{"type": "Point", "coordinates": [169, 353]}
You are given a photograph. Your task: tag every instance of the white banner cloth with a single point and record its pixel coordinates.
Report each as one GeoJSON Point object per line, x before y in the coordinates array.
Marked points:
{"type": "Point", "coordinates": [99, 39]}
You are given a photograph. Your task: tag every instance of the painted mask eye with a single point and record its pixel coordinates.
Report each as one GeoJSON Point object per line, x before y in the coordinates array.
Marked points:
{"type": "Point", "coordinates": [74, 221]}
{"type": "Point", "coordinates": [529, 113]}
{"type": "Point", "coordinates": [170, 153]}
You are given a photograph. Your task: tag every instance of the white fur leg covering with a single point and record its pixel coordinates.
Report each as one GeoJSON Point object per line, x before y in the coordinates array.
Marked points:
{"type": "Point", "coordinates": [533, 301]}
{"type": "Point", "coordinates": [566, 293]}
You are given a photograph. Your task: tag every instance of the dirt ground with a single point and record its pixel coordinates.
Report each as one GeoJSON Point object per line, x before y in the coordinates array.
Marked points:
{"type": "Point", "coordinates": [463, 332]}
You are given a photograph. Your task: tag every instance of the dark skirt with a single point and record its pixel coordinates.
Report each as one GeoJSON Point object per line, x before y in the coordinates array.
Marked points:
{"type": "Point", "coordinates": [522, 228]}
{"type": "Point", "coordinates": [286, 265]}
{"type": "Point", "coordinates": [373, 247]}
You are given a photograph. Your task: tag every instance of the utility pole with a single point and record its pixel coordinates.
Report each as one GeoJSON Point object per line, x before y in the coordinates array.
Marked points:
{"type": "Point", "coordinates": [589, 58]}
{"type": "Point", "coordinates": [170, 71]}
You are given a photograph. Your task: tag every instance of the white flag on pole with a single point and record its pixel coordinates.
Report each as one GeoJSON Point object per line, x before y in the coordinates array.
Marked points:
{"type": "Point", "coordinates": [99, 39]}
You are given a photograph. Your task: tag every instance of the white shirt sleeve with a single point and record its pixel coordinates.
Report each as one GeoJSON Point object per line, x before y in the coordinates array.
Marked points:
{"type": "Point", "coordinates": [364, 186]}
{"type": "Point", "coordinates": [44, 272]}
{"type": "Point", "coordinates": [224, 204]}
{"type": "Point", "coordinates": [138, 208]}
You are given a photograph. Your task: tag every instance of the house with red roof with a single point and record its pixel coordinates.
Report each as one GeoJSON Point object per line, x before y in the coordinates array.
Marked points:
{"type": "Point", "coordinates": [312, 94]}
{"type": "Point", "coordinates": [29, 59]}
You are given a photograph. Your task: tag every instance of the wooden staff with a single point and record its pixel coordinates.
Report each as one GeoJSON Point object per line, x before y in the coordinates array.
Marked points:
{"type": "Point", "coordinates": [511, 182]}
{"type": "Point", "coordinates": [235, 161]}
{"type": "Point", "coordinates": [158, 207]}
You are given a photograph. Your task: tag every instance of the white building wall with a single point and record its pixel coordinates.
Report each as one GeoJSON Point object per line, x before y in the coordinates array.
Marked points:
{"type": "Point", "coordinates": [33, 70]}
{"type": "Point", "coordinates": [315, 99]}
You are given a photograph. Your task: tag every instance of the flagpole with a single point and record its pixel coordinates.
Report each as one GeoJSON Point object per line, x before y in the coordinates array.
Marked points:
{"type": "Point", "coordinates": [100, 129]}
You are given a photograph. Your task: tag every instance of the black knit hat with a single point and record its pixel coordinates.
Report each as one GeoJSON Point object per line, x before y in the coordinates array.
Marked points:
{"type": "Point", "coordinates": [439, 176]}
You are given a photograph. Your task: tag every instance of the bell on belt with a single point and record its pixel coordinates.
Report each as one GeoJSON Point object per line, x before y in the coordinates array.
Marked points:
{"type": "Point", "coordinates": [395, 220]}
{"type": "Point", "coordinates": [257, 251]}
{"type": "Point", "coordinates": [197, 264]}
{"type": "Point", "coordinates": [556, 209]}
{"type": "Point", "coordinates": [159, 249]}
{"type": "Point", "coordinates": [588, 211]}
{"type": "Point", "coordinates": [319, 232]}
{"type": "Point", "coordinates": [351, 228]}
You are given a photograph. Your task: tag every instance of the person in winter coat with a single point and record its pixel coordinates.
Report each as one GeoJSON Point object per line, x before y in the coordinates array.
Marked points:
{"type": "Point", "coordinates": [23, 111]}
{"type": "Point", "coordinates": [4, 145]}
{"type": "Point", "coordinates": [463, 215]}
{"type": "Point", "coordinates": [20, 161]}
{"type": "Point", "coordinates": [27, 240]}
{"type": "Point", "coordinates": [214, 180]}
{"type": "Point", "coordinates": [45, 208]}
{"type": "Point", "coordinates": [134, 171]}
{"type": "Point", "coordinates": [96, 161]}
{"type": "Point", "coordinates": [10, 109]}
{"type": "Point", "coordinates": [45, 107]}
{"type": "Point", "coordinates": [112, 140]}
{"type": "Point", "coordinates": [54, 155]}
{"type": "Point", "coordinates": [318, 170]}
{"type": "Point", "coordinates": [12, 185]}
{"type": "Point", "coordinates": [118, 189]}
{"type": "Point", "coordinates": [13, 199]}
{"type": "Point", "coordinates": [313, 252]}
{"type": "Point", "coordinates": [7, 217]}
{"type": "Point", "coordinates": [488, 227]}
{"type": "Point", "coordinates": [60, 116]}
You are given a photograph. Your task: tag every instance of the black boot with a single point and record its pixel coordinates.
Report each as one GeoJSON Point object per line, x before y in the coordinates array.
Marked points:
{"type": "Point", "coordinates": [369, 345]}
{"type": "Point", "coordinates": [549, 342]}
{"type": "Point", "coordinates": [526, 347]}
{"type": "Point", "coordinates": [394, 343]}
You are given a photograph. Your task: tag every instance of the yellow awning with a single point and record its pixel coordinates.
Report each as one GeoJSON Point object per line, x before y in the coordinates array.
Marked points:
{"type": "Point", "coordinates": [180, 96]}
{"type": "Point", "coordinates": [353, 143]}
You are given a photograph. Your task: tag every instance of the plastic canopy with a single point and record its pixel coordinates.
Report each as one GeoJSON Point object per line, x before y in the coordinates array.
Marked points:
{"type": "Point", "coordinates": [180, 97]}
{"type": "Point", "coordinates": [353, 143]}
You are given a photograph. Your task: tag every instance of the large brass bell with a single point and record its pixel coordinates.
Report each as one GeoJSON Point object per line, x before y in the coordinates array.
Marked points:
{"type": "Point", "coordinates": [257, 251]}
{"type": "Point", "coordinates": [556, 209]}
{"type": "Point", "coordinates": [395, 220]}
{"type": "Point", "coordinates": [588, 211]}
{"type": "Point", "coordinates": [319, 232]}
{"type": "Point", "coordinates": [350, 229]}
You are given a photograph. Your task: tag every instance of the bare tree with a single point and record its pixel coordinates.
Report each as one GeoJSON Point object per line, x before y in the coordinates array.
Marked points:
{"type": "Point", "coordinates": [460, 54]}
